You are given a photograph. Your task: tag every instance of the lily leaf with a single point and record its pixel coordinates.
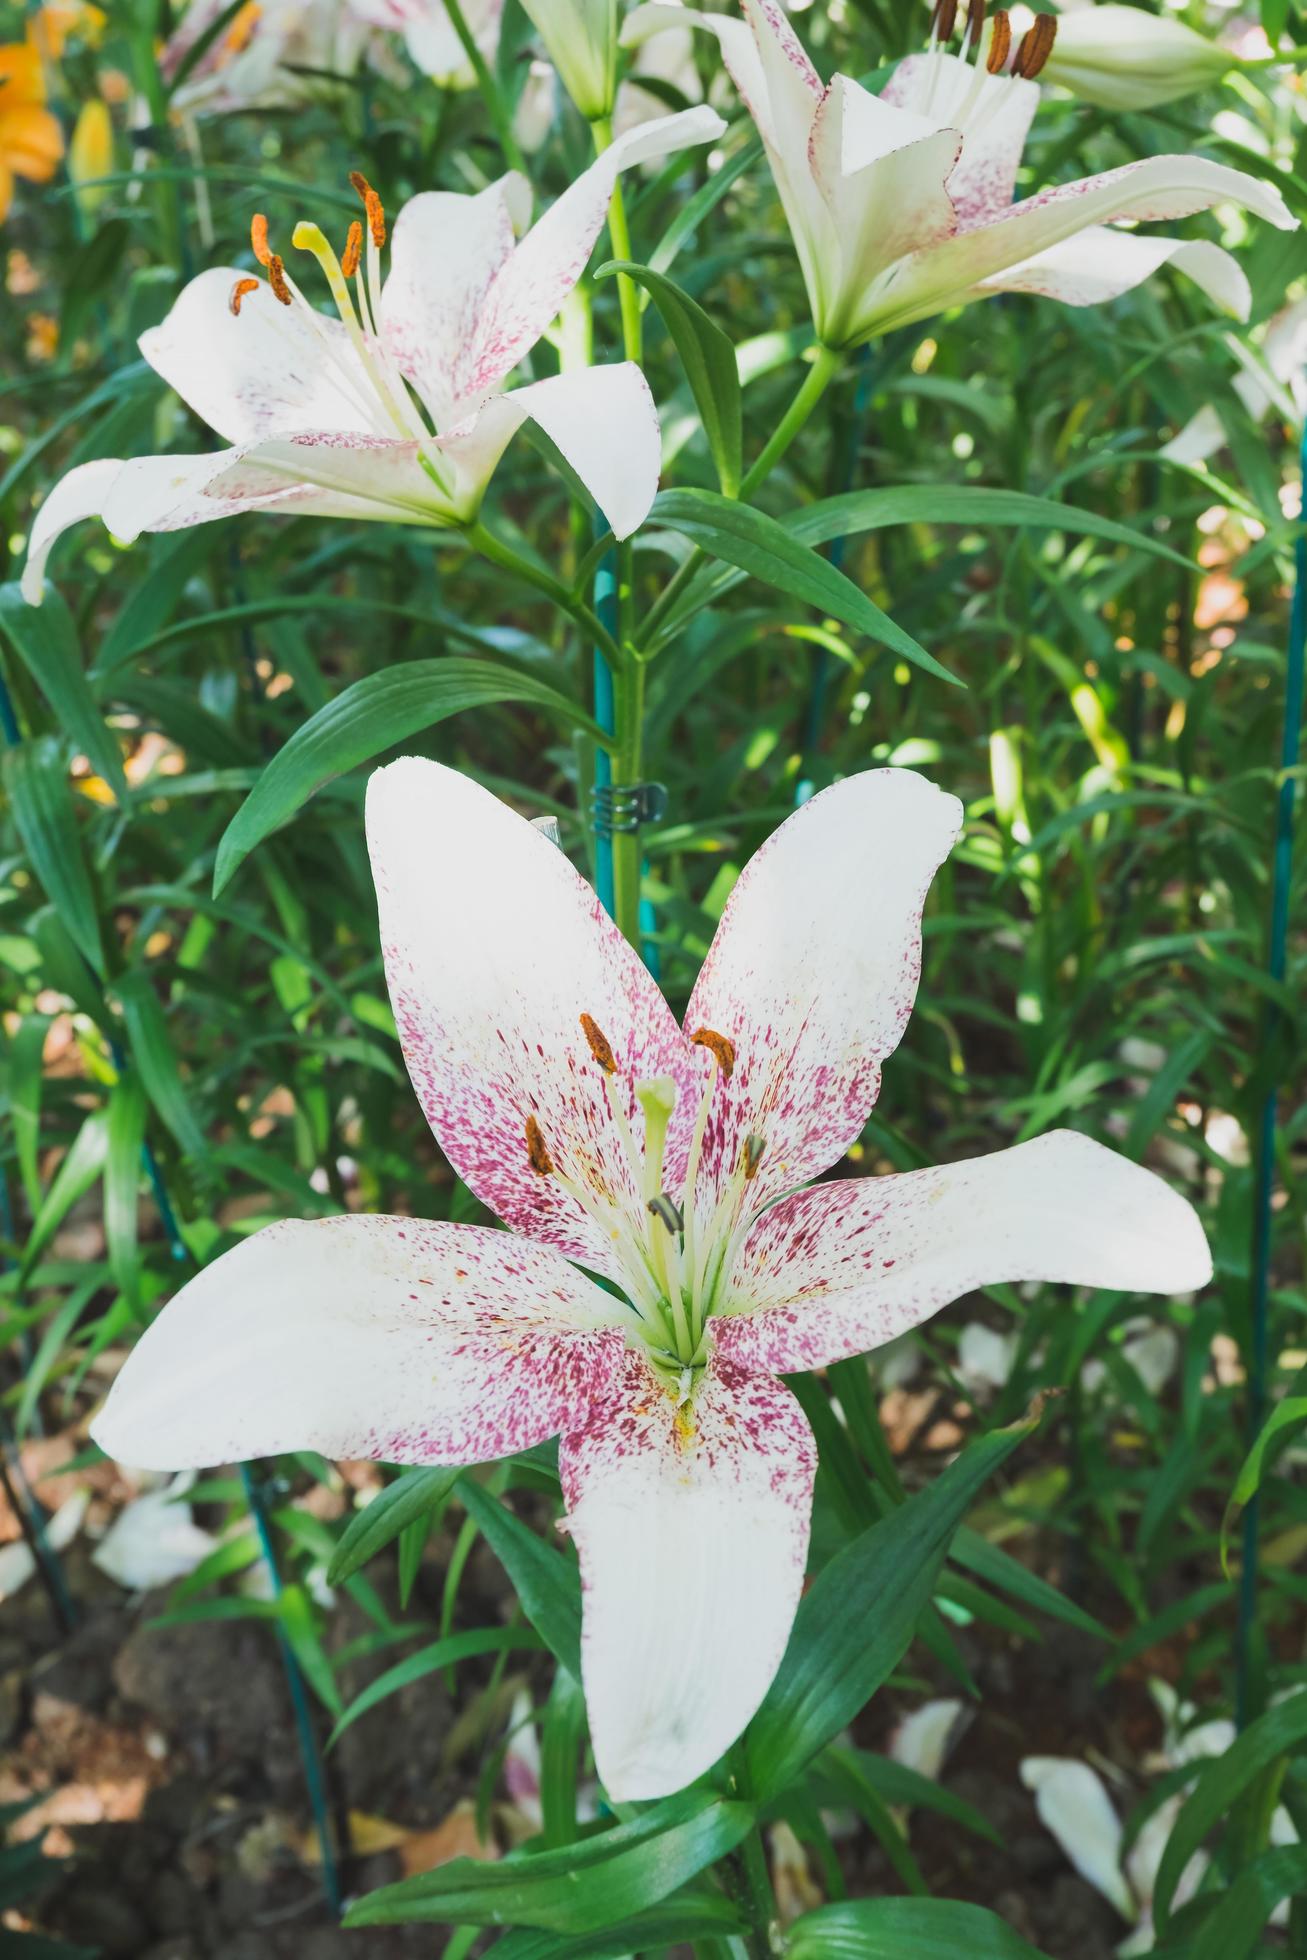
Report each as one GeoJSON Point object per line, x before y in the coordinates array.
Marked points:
{"type": "Point", "coordinates": [708, 357]}
{"type": "Point", "coordinates": [376, 712]}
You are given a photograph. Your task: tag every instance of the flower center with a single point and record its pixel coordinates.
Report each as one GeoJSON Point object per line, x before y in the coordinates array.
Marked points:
{"type": "Point", "coordinates": [373, 381]}
{"type": "Point", "coordinates": [993, 56]}
{"type": "Point", "coordinates": [677, 1257]}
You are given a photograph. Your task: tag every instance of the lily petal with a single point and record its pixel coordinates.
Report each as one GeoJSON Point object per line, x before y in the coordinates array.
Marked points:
{"type": "Point", "coordinates": [494, 948]}
{"type": "Point", "coordinates": [320, 474]}
{"type": "Point", "coordinates": [845, 1266]}
{"type": "Point", "coordinates": [999, 112]}
{"type": "Point", "coordinates": [882, 172]}
{"type": "Point", "coordinates": [603, 420]}
{"type": "Point", "coordinates": [390, 1338]}
{"type": "Point", "coordinates": [533, 281]}
{"type": "Point", "coordinates": [271, 370]}
{"type": "Point", "coordinates": [1074, 1806]}
{"type": "Point", "coordinates": [1102, 263]}
{"type": "Point", "coordinates": [813, 972]}
{"type": "Point", "coordinates": [1158, 188]}
{"type": "Point", "coordinates": [692, 1526]}
{"type": "Point", "coordinates": [444, 253]}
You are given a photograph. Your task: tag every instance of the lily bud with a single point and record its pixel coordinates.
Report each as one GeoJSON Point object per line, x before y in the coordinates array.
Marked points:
{"type": "Point", "coordinates": [580, 38]}
{"type": "Point", "coordinates": [1123, 58]}
{"type": "Point", "coordinates": [90, 152]}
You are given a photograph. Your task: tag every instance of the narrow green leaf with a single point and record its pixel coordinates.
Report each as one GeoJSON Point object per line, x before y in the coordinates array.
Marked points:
{"type": "Point", "coordinates": [36, 778]}
{"type": "Point", "coordinates": [26, 1081]}
{"type": "Point", "coordinates": [369, 717]}
{"type": "Point", "coordinates": [1224, 1780]}
{"type": "Point", "coordinates": [441, 1653]}
{"type": "Point", "coordinates": [856, 1620]}
{"type": "Point", "coordinates": [1288, 1415]}
{"type": "Point", "coordinates": [45, 638]}
{"type": "Point", "coordinates": [708, 357]}
{"type": "Point", "coordinates": [410, 1496]}
{"type": "Point", "coordinates": [905, 1929]}
{"type": "Point", "coordinates": [579, 1888]}
{"type": "Point", "coordinates": [547, 1584]}
{"type": "Point", "coordinates": [998, 1568]}
{"type": "Point", "coordinates": [1232, 1931]}
{"type": "Point", "coordinates": [122, 1182]}
{"type": "Point", "coordinates": [763, 547]}
{"type": "Point", "coordinates": [153, 1053]}
{"type": "Point", "coordinates": [81, 1166]}
{"type": "Point", "coordinates": [670, 1924]}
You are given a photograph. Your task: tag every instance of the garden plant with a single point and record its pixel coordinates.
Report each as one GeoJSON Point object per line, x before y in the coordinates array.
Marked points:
{"type": "Point", "coordinates": [650, 677]}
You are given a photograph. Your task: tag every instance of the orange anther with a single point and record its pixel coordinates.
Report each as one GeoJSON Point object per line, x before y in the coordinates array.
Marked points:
{"type": "Point", "coordinates": [349, 258]}
{"type": "Point", "coordinates": [277, 278]}
{"type": "Point", "coordinates": [239, 292]}
{"type": "Point", "coordinates": [259, 238]}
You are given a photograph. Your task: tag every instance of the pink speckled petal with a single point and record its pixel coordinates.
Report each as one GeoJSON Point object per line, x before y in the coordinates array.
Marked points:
{"type": "Point", "coordinates": [1159, 188]}
{"type": "Point", "coordinates": [692, 1527]}
{"type": "Point", "coordinates": [318, 474]}
{"type": "Point", "coordinates": [995, 126]}
{"type": "Point", "coordinates": [813, 973]}
{"type": "Point", "coordinates": [1102, 263]}
{"type": "Point", "coordinates": [390, 1338]}
{"type": "Point", "coordinates": [444, 253]}
{"type": "Point", "coordinates": [846, 1266]}
{"type": "Point", "coordinates": [882, 171]}
{"type": "Point", "coordinates": [603, 420]}
{"type": "Point", "coordinates": [494, 948]}
{"type": "Point", "coordinates": [272, 370]}
{"type": "Point", "coordinates": [531, 285]}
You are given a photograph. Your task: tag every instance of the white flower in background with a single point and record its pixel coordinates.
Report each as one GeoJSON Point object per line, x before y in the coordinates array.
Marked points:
{"type": "Point", "coordinates": [430, 36]}
{"type": "Point", "coordinates": [670, 1161]}
{"type": "Point", "coordinates": [1150, 1347]}
{"type": "Point", "coordinates": [1125, 58]}
{"type": "Point", "coordinates": [252, 64]}
{"type": "Point", "coordinates": [925, 1739]}
{"type": "Point", "coordinates": [537, 105]}
{"type": "Point", "coordinates": [17, 1561]}
{"type": "Point", "coordinates": [900, 205]}
{"type": "Point", "coordinates": [580, 38]}
{"type": "Point", "coordinates": [985, 1356]}
{"type": "Point", "coordinates": [393, 410]}
{"type": "Point", "coordinates": [666, 57]}
{"type": "Point", "coordinates": [1075, 1807]}
{"type": "Point", "coordinates": [154, 1540]}
{"type": "Point", "coordinates": [1277, 380]}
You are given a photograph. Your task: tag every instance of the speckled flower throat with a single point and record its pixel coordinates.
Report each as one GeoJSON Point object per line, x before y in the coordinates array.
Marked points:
{"type": "Point", "coordinates": [675, 1265]}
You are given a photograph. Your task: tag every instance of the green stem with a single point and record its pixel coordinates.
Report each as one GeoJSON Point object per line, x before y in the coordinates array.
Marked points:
{"type": "Point", "coordinates": [821, 373]}
{"type": "Point", "coordinates": [825, 366]}
{"type": "Point", "coordinates": [619, 233]}
{"type": "Point", "coordinates": [554, 590]}
{"type": "Point", "coordinates": [751, 1884]}
{"type": "Point", "coordinates": [627, 762]}
{"type": "Point", "coordinates": [491, 93]}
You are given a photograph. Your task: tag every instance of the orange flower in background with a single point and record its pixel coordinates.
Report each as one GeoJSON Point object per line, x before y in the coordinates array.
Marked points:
{"type": "Point", "coordinates": [31, 141]}
{"type": "Point", "coordinates": [49, 30]}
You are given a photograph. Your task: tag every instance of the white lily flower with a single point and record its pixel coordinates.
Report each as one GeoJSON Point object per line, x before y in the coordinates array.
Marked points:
{"type": "Point", "coordinates": [431, 37]}
{"type": "Point", "coordinates": [580, 38]}
{"type": "Point", "coordinates": [900, 205]}
{"type": "Point", "coordinates": [670, 1161]}
{"type": "Point", "coordinates": [1126, 58]}
{"type": "Point", "coordinates": [253, 62]}
{"type": "Point", "coordinates": [394, 410]}
{"type": "Point", "coordinates": [1278, 382]}
{"type": "Point", "coordinates": [154, 1539]}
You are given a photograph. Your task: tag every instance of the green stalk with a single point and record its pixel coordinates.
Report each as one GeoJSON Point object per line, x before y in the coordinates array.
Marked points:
{"type": "Point", "coordinates": [750, 1881]}
{"type": "Point", "coordinates": [821, 373]}
{"type": "Point", "coordinates": [491, 93]}
{"type": "Point", "coordinates": [554, 590]}
{"type": "Point", "coordinates": [627, 762]}
{"type": "Point", "coordinates": [619, 233]}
